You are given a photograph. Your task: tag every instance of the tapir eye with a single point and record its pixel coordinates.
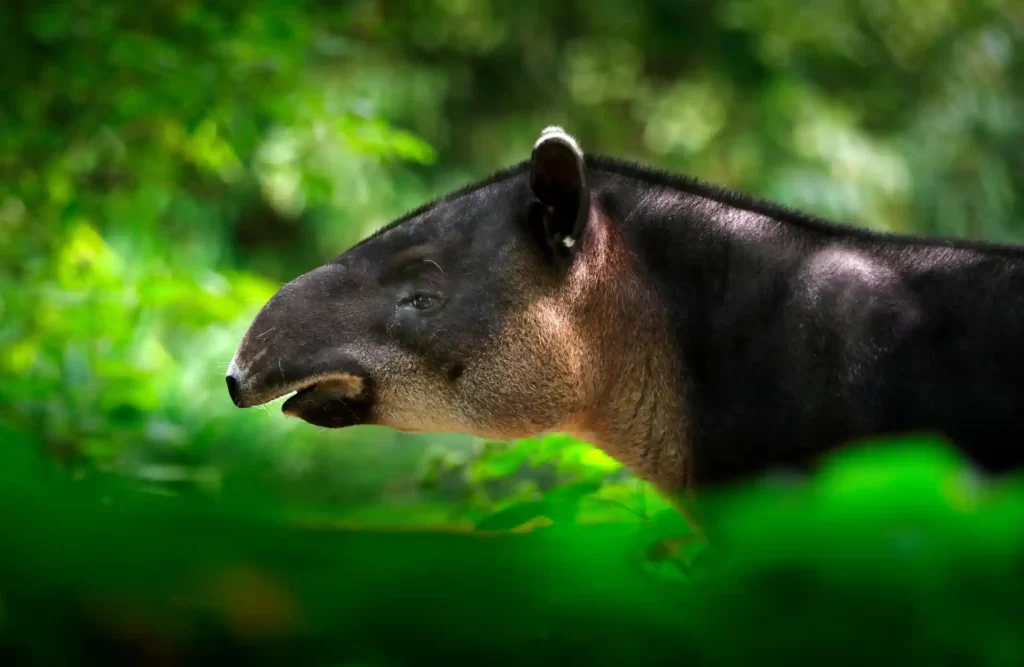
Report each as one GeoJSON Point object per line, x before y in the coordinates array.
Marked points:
{"type": "Point", "coordinates": [422, 301]}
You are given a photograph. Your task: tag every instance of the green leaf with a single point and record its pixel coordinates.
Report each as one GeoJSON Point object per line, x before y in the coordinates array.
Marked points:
{"type": "Point", "coordinates": [498, 464]}
{"type": "Point", "coordinates": [513, 516]}
{"type": "Point", "coordinates": [564, 501]}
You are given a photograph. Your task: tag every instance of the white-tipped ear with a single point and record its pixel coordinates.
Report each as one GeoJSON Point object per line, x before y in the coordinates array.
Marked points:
{"type": "Point", "coordinates": [558, 180]}
{"type": "Point", "coordinates": [555, 133]}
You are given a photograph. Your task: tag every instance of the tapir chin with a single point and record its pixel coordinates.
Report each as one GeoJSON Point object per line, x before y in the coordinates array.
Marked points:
{"type": "Point", "coordinates": [697, 335]}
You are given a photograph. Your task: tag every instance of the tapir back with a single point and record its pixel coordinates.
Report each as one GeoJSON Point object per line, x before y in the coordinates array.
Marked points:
{"type": "Point", "coordinates": [807, 338]}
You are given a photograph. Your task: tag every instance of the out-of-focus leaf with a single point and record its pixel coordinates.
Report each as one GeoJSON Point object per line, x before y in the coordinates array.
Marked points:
{"type": "Point", "coordinates": [513, 516]}
{"type": "Point", "coordinates": [564, 501]}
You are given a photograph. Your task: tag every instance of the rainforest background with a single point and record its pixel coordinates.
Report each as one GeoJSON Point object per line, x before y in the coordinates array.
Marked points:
{"type": "Point", "coordinates": [166, 165]}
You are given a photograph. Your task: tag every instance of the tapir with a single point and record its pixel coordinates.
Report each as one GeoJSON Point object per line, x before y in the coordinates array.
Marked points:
{"type": "Point", "coordinates": [698, 335]}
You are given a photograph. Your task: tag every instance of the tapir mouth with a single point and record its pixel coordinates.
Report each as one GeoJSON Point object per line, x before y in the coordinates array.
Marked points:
{"type": "Point", "coordinates": [331, 400]}
{"type": "Point", "coordinates": [332, 403]}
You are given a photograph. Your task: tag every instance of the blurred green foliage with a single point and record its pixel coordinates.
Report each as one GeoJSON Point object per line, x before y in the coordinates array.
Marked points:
{"type": "Point", "coordinates": [891, 555]}
{"type": "Point", "coordinates": [165, 166]}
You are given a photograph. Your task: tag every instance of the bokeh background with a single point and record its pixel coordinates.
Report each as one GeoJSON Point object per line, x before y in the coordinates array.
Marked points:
{"type": "Point", "coordinates": [166, 165]}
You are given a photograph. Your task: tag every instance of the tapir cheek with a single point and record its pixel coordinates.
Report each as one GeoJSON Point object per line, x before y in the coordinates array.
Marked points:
{"type": "Point", "coordinates": [436, 351]}
{"type": "Point", "coordinates": [415, 404]}
{"type": "Point", "coordinates": [455, 371]}
{"type": "Point", "coordinates": [378, 328]}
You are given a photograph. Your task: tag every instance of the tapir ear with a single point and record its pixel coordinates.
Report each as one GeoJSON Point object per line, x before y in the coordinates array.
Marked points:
{"type": "Point", "coordinates": [558, 181]}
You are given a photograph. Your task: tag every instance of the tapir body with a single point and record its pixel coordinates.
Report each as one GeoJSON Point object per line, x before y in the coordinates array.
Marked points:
{"type": "Point", "coordinates": [698, 335]}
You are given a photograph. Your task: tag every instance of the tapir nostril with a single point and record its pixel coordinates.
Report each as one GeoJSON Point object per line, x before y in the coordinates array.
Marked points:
{"type": "Point", "coordinates": [235, 390]}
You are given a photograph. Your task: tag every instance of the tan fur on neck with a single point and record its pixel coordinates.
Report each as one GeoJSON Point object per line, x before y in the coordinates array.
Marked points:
{"type": "Point", "coordinates": [634, 411]}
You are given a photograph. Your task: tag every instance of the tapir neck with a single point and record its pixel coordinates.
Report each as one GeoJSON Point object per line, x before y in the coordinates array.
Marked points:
{"type": "Point", "coordinates": [635, 409]}
{"type": "Point", "coordinates": [674, 254]}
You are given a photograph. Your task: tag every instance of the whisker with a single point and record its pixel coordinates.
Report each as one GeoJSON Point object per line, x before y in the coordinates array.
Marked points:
{"type": "Point", "coordinates": [350, 410]}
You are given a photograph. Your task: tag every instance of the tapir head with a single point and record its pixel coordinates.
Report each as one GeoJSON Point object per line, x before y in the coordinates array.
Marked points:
{"type": "Point", "coordinates": [495, 311]}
